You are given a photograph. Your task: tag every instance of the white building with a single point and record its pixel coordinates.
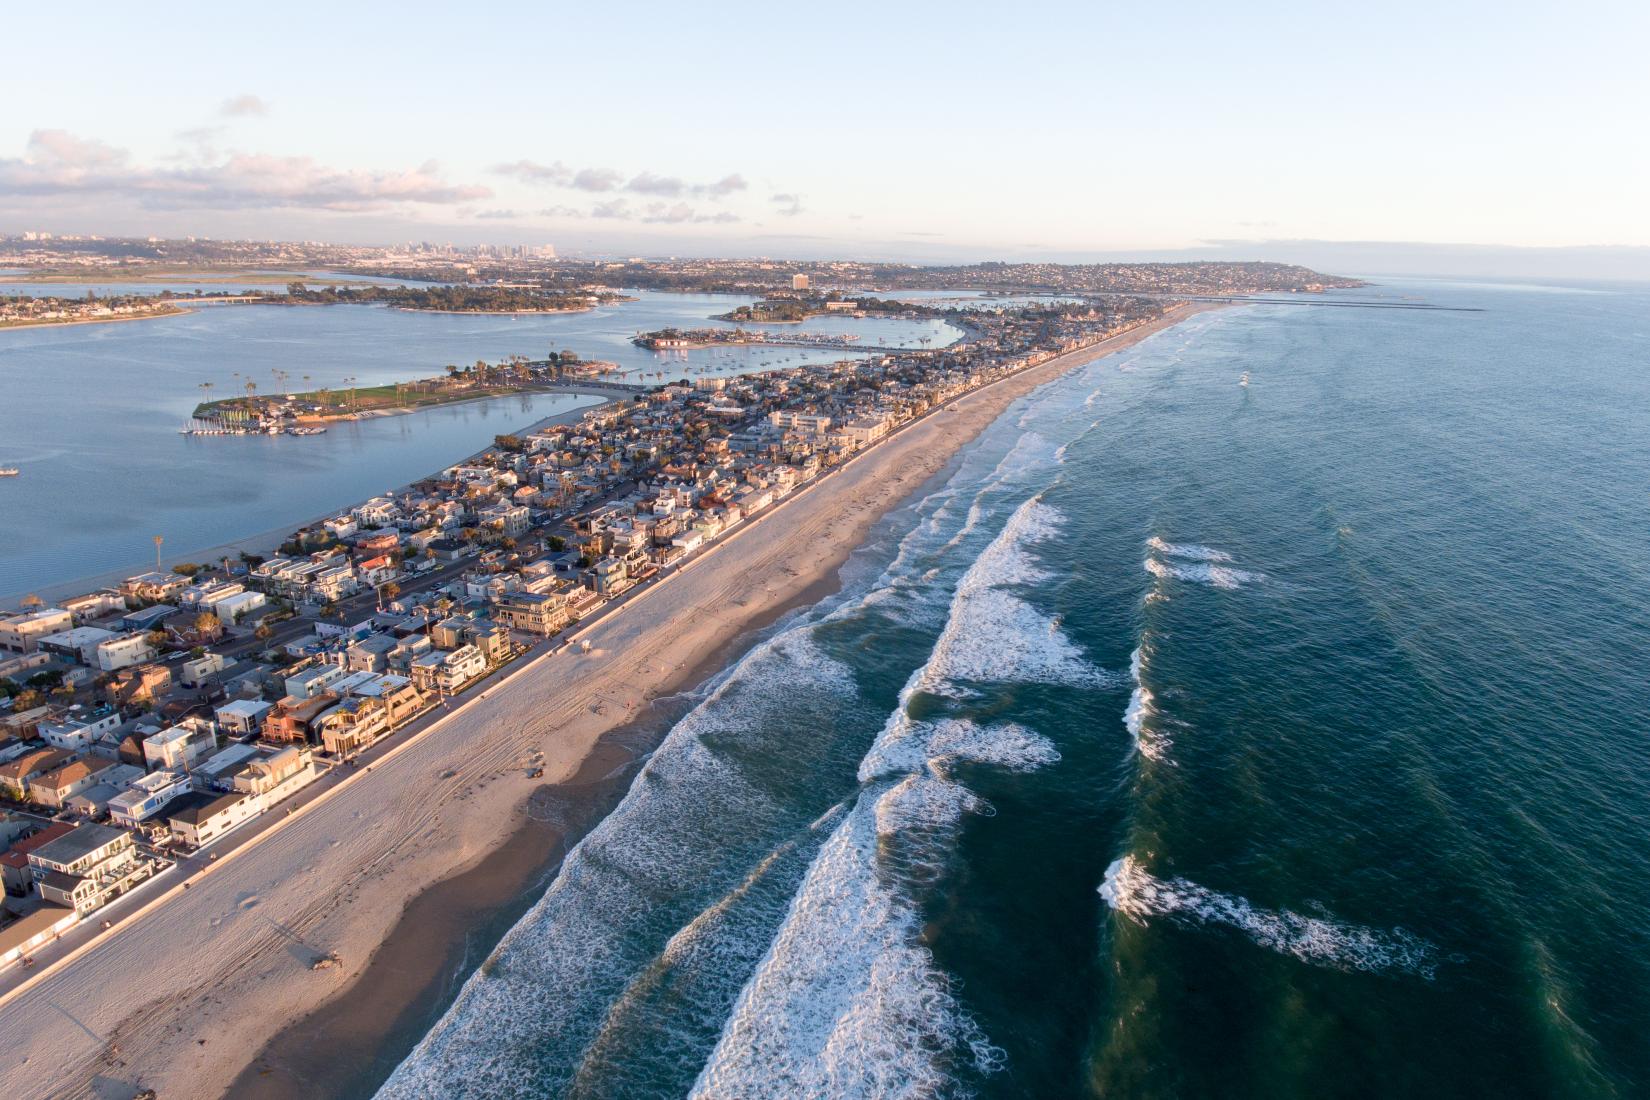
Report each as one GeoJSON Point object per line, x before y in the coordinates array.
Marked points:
{"type": "Point", "coordinates": [447, 671]}
{"type": "Point", "coordinates": [181, 745]}
{"type": "Point", "coordinates": [79, 727]}
{"type": "Point", "coordinates": [195, 672]}
{"type": "Point", "coordinates": [146, 796]}
{"type": "Point", "coordinates": [312, 681]}
{"type": "Point", "coordinates": [22, 632]}
{"type": "Point", "coordinates": [258, 784]}
{"type": "Point", "coordinates": [88, 868]}
{"type": "Point", "coordinates": [232, 609]}
{"type": "Point", "coordinates": [812, 423]}
{"type": "Point", "coordinates": [124, 651]}
{"type": "Point", "coordinates": [241, 717]}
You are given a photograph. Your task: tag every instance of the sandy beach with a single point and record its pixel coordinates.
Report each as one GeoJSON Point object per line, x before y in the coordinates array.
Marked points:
{"type": "Point", "coordinates": [183, 998]}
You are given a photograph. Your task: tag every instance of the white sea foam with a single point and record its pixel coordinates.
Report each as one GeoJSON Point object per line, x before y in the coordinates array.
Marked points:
{"type": "Point", "coordinates": [1187, 550]}
{"type": "Point", "coordinates": [1149, 741]}
{"type": "Point", "coordinates": [563, 967]}
{"type": "Point", "coordinates": [848, 1002]}
{"type": "Point", "coordinates": [1135, 893]}
{"type": "Point", "coordinates": [996, 636]}
{"type": "Point", "coordinates": [1006, 745]}
{"type": "Point", "coordinates": [923, 802]}
{"type": "Point", "coordinates": [1216, 576]}
{"type": "Point", "coordinates": [907, 747]}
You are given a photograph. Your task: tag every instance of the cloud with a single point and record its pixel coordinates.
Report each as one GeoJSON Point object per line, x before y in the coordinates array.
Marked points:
{"type": "Point", "coordinates": [681, 213]}
{"type": "Point", "coordinates": [669, 187]}
{"type": "Point", "coordinates": [244, 105]}
{"type": "Point", "coordinates": [727, 185]}
{"type": "Point", "coordinates": [560, 175]}
{"type": "Point", "coordinates": [654, 213]}
{"type": "Point", "coordinates": [58, 164]}
{"type": "Point", "coordinates": [530, 171]}
{"type": "Point", "coordinates": [789, 205]}
{"type": "Point", "coordinates": [499, 215]}
{"type": "Point", "coordinates": [649, 184]}
{"type": "Point", "coordinates": [601, 180]}
{"type": "Point", "coordinates": [595, 179]}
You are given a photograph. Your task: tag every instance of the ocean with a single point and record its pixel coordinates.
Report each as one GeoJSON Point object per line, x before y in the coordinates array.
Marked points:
{"type": "Point", "coordinates": [1184, 739]}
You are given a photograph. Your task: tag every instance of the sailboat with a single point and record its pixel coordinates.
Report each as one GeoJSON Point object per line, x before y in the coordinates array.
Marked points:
{"type": "Point", "coordinates": [1244, 381]}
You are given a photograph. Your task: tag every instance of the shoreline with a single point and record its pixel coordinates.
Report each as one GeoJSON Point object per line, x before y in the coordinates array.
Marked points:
{"type": "Point", "coordinates": [485, 312]}
{"type": "Point", "coordinates": [22, 326]}
{"type": "Point", "coordinates": [445, 932]}
{"type": "Point", "coordinates": [265, 542]}
{"type": "Point", "coordinates": [229, 961]}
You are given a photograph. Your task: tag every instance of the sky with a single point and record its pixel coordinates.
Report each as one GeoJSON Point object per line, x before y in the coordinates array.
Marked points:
{"type": "Point", "coordinates": [1398, 134]}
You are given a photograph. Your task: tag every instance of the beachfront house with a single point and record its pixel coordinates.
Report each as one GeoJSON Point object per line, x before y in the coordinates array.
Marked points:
{"type": "Point", "coordinates": [89, 867]}
{"type": "Point", "coordinates": [448, 671]}
{"type": "Point", "coordinates": [533, 612]}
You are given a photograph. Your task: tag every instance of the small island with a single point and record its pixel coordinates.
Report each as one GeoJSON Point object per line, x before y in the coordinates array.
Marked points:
{"type": "Point", "coordinates": [456, 298]}
{"type": "Point", "coordinates": [308, 412]}
{"type": "Point", "coordinates": [778, 309]}
{"type": "Point", "coordinates": [675, 339]}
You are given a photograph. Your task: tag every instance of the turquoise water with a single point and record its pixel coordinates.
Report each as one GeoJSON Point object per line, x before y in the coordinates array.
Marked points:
{"type": "Point", "coordinates": [1187, 740]}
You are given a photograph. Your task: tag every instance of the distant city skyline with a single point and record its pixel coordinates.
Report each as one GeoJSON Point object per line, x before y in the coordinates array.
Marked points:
{"type": "Point", "coordinates": [1462, 139]}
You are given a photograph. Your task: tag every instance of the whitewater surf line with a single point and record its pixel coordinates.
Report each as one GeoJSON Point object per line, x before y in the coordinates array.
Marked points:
{"type": "Point", "coordinates": [1136, 894]}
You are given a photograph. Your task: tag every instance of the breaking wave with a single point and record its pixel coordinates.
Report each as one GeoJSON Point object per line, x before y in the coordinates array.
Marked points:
{"type": "Point", "coordinates": [1216, 576]}
{"type": "Point", "coordinates": [565, 973]}
{"type": "Point", "coordinates": [1188, 550]}
{"type": "Point", "coordinates": [847, 1001]}
{"type": "Point", "coordinates": [1135, 893]}
{"type": "Point", "coordinates": [1149, 741]}
{"type": "Point", "coordinates": [984, 618]}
